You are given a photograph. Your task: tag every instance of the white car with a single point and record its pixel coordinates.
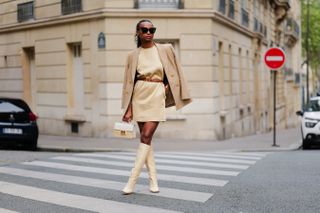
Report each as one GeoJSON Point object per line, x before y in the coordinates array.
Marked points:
{"type": "Point", "coordinates": [310, 122]}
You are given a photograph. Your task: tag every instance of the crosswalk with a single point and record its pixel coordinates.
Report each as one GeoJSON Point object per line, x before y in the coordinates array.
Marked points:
{"type": "Point", "coordinates": [92, 182]}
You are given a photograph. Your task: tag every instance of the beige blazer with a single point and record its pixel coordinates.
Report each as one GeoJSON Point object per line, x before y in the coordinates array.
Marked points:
{"type": "Point", "coordinates": [178, 94]}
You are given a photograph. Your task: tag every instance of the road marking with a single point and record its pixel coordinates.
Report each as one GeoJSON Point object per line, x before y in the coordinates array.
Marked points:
{"type": "Point", "coordinates": [213, 155]}
{"type": "Point", "coordinates": [7, 211]}
{"type": "Point", "coordinates": [74, 201]}
{"type": "Point", "coordinates": [159, 167]}
{"type": "Point", "coordinates": [260, 154]}
{"type": "Point", "coordinates": [106, 184]}
{"type": "Point", "coordinates": [174, 178]}
{"type": "Point", "coordinates": [171, 161]}
{"type": "Point", "coordinates": [207, 159]}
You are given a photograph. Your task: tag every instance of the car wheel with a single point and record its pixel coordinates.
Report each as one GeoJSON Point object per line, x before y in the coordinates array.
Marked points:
{"type": "Point", "coordinates": [305, 144]}
{"type": "Point", "coordinates": [32, 145]}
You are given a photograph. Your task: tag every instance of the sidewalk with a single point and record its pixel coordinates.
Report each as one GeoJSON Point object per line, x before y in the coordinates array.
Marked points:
{"type": "Point", "coordinates": [288, 139]}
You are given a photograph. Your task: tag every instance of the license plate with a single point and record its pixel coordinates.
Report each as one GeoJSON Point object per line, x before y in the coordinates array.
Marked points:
{"type": "Point", "coordinates": [12, 131]}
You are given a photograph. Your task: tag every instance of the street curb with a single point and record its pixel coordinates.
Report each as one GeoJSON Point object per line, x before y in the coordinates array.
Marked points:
{"type": "Point", "coordinates": [65, 149]}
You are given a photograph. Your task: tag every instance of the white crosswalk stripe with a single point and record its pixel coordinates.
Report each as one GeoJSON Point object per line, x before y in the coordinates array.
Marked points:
{"type": "Point", "coordinates": [74, 201]}
{"type": "Point", "coordinates": [7, 211]}
{"type": "Point", "coordinates": [177, 169]}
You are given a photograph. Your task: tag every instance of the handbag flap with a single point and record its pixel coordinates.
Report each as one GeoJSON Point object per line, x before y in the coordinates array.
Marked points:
{"type": "Point", "coordinates": [123, 126]}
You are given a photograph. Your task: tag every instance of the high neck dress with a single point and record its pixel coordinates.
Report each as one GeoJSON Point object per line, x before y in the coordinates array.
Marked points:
{"type": "Point", "coordinates": [148, 100]}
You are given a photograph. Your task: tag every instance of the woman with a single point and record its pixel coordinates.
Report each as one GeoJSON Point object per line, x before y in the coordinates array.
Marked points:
{"type": "Point", "coordinates": [153, 80]}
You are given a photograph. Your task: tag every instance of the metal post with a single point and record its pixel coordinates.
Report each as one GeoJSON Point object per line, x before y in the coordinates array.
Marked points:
{"type": "Point", "coordinates": [307, 48]}
{"type": "Point", "coordinates": [274, 106]}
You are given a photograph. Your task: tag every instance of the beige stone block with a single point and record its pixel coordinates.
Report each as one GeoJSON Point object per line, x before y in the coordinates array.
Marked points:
{"type": "Point", "coordinates": [111, 74]}
{"type": "Point", "coordinates": [52, 99]}
{"type": "Point", "coordinates": [44, 3]}
{"type": "Point", "coordinates": [47, 11]}
{"type": "Point", "coordinates": [121, 26]}
{"type": "Point", "coordinates": [114, 58]}
{"type": "Point", "coordinates": [10, 49]}
{"type": "Point", "coordinates": [119, 4]}
{"type": "Point", "coordinates": [52, 126]}
{"type": "Point", "coordinates": [88, 101]}
{"type": "Point", "coordinates": [114, 107]}
{"type": "Point", "coordinates": [203, 58]}
{"type": "Point", "coordinates": [199, 105]}
{"type": "Point", "coordinates": [201, 89]}
{"type": "Point", "coordinates": [50, 45]}
{"type": "Point", "coordinates": [196, 42]}
{"type": "Point", "coordinates": [12, 73]}
{"type": "Point", "coordinates": [120, 42]}
{"type": "Point", "coordinates": [114, 90]}
{"type": "Point", "coordinates": [52, 85]}
{"type": "Point", "coordinates": [198, 73]}
{"type": "Point", "coordinates": [11, 61]}
{"type": "Point", "coordinates": [18, 94]}
{"type": "Point", "coordinates": [93, 5]}
{"type": "Point", "coordinates": [51, 72]}
{"type": "Point", "coordinates": [88, 85]}
{"type": "Point", "coordinates": [55, 58]}
{"type": "Point", "coordinates": [196, 4]}
{"type": "Point", "coordinates": [11, 85]}
{"type": "Point", "coordinates": [9, 18]}
{"type": "Point", "coordinates": [51, 112]}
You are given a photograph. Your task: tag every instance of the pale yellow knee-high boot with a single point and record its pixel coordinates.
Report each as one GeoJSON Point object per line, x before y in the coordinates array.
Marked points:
{"type": "Point", "coordinates": [141, 158]}
{"type": "Point", "coordinates": [151, 166]}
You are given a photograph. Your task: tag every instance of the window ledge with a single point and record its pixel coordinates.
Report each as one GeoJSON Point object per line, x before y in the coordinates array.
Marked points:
{"type": "Point", "coordinates": [75, 118]}
{"type": "Point", "coordinates": [176, 117]}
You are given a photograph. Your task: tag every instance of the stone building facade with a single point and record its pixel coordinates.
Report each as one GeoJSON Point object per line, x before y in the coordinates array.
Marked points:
{"type": "Point", "coordinates": [66, 59]}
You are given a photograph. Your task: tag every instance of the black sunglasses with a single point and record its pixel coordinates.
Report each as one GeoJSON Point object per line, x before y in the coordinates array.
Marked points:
{"type": "Point", "coordinates": [152, 30]}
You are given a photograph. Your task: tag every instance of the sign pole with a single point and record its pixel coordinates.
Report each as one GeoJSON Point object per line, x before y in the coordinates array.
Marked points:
{"type": "Point", "coordinates": [274, 58]}
{"type": "Point", "coordinates": [274, 107]}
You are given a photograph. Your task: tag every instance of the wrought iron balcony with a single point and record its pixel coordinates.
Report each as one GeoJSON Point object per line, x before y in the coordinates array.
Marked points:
{"type": "Point", "coordinates": [158, 4]}
{"type": "Point", "coordinates": [292, 31]}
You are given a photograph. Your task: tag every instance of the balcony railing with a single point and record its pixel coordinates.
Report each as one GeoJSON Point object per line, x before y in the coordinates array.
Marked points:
{"type": "Point", "coordinates": [292, 28]}
{"type": "Point", "coordinates": [158, 4]}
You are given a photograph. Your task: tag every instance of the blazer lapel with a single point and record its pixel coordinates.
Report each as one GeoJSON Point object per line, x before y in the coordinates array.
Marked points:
{"type": "Point", "coordinates": [135, 58]}
{"type": "Point", "coordinates": [162, 55]}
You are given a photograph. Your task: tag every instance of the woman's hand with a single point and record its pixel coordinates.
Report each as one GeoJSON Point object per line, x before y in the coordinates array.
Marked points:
{"type": "Point", "coordinates": [127, 117]}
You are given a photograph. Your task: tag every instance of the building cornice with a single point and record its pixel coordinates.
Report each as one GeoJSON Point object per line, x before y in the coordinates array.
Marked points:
{"type": "Point", "coordinates": [126, 13]}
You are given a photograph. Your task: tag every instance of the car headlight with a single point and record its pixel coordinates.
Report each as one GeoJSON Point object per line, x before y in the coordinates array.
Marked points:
{"type": "Point", "coordinates": [310, 124]}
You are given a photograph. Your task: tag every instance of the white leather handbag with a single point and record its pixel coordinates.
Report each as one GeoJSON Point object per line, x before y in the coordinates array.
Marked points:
{"type": "Point", "coordinates": [124, 130]}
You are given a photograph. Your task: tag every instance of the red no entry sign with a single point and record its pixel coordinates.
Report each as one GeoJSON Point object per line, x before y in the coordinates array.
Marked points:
{"type": "Point", "coordinates": [274, 58]}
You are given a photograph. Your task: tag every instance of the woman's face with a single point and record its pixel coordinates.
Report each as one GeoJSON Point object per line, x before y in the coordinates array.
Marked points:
{"type": "Point", "coordinates": [146, 32]}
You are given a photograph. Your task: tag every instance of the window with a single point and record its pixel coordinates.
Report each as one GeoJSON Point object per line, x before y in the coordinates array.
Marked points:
{"type": "Point", "coordinates": [25, 11]}
{"type": "Point", "coordinates": [244, 13]}
{"type": "Point", "coordinates": [222, 6]}
{"type": "Point", "coordinates": [71, 6]}
{"type": "Point", "coordinates": [231, 9]}
{"type": "Point", "coordinates": [167, 4]}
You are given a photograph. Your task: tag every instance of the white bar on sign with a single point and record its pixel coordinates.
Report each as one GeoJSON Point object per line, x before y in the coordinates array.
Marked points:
{"type": "Point", "coordinates": [274, 58]}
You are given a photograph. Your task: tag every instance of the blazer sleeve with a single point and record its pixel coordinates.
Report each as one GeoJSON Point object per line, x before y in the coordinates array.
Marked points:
{"type": "Point", "coordinates": [185, 95]}
{"type": "Point", "coordinates": [124, 84]}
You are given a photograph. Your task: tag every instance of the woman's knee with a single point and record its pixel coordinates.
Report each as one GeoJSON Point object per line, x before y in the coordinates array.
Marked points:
{"type": "Point", "coordinates": [146, 137]}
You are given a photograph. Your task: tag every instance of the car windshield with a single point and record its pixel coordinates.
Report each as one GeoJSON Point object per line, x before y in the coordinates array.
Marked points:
{"type": "Point", "coordinates": [9, 107]}
{"type": "Point", "coordinates": [313, 106]}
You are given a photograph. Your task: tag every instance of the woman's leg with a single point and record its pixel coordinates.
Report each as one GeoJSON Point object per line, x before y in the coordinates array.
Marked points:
{"type": "Point", "coordinates": [145, 130]}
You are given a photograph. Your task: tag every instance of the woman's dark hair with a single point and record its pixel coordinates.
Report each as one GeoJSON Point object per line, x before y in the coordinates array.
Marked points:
{"type": "Point", "coordinates": [138, 28]}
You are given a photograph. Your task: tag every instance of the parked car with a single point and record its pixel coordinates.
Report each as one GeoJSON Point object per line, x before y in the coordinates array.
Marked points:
{"type": "Point", "coordinates": [18, 123]}
{"type": "Point", "coordinates": [310, 123]}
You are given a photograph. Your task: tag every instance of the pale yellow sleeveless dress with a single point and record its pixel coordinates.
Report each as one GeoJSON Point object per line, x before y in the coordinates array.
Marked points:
{"type": "Point", "coordinates": [148, 100]}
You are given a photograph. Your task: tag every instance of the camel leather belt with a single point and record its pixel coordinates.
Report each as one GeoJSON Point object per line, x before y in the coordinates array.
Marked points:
{"type": "Point", "coordinates": [150, 80]}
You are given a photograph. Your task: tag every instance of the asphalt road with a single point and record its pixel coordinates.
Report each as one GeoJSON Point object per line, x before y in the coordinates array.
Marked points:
{"type": "Point", "coordinates": [189, 182]}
